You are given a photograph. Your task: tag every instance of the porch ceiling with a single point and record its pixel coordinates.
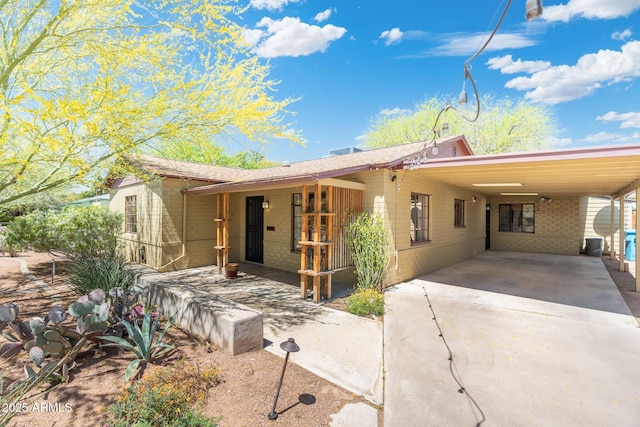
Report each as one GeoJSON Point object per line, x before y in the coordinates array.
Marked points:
{"type": "Point", "coordinates": [610, 171]}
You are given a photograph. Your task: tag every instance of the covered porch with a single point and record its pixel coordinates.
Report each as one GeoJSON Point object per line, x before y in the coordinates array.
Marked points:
{"type": "Point", "coordinates": [296, 226]}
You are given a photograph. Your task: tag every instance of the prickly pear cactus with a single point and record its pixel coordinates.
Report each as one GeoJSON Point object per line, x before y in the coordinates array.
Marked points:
{"type": "Point", "coordinates": [37, 325]}
{"type": "Point", "coordinates": [37, 355]}
{"type": "Point", "coordinates": [57, 315]}
{"type": "Point", "coordinates": [8, 312]}
{"type": "Point", "coordinates": [81, 308]}
{"type": "Point", "coordinates": [52, 335]}
{"type": "Point", "coordinates": [92, 311]}
{"type": "Point", "coordinates": [54, 348]}
{"type": "Point", "coordinates": [10, 349]}
{"type": "Point", "coordinates": [97, 296]}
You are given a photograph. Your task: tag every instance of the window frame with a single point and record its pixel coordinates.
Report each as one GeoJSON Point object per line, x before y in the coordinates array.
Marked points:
{"type": "Point", "coordinates": [296, 212]}
{"type": "Point", "coordinates": [420, 203]}
{"type": "Point", "coordinates": [131, 214]}
{"type": "Point", "coordinates": [459, 213]}
{"type": "Point", "coordinates": [522, 219]}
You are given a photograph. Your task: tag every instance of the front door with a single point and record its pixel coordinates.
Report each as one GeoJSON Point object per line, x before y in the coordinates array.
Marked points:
{"type": "Point", "coordinates": [487, 239]}
{"type": "Point", "coordinates": [255, 221]}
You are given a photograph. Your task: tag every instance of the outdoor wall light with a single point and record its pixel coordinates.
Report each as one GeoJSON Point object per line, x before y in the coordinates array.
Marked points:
{"type": "Point", "coordinates": [289, 346]}
{"type": "Point", "coordinates": [474, 199]}
{"type": "Point", "coordinates": [534, 9]}
{"type": "Point", "coordinates": [265, 204]}
{"type": "Point", "coordinates": [545, 199]}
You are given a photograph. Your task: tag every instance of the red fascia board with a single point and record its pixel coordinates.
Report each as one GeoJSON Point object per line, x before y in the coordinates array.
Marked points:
{"type": "Point", "coordinates": [536, 156]}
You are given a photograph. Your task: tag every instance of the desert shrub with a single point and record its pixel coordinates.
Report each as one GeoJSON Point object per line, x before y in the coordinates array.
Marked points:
{"type": "Point", "coordinates": [76, 230]}
{"type": "Point", "coordinates": [365, 302]}
{"type": "Point", "coordinates": [86, 235]}
{"type": "Point", "coordinates": [87, 272]}
{"type": "Point", "coordinates": [169, 396]}
{"type": "Point", "coordinates": [368, 241]}
{"type": "Point", "coordinates": [4, 246]}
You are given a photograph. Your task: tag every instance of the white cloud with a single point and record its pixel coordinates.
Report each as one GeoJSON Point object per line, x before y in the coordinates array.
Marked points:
{"type": "Point", "coordinates": [601, 138]}
{"type": "Point", "coordinates": [290, 37]}
{"type": "Point", "coordinates": [622, 35]}
{"type": "Point", "coordinates": [629, 120]}
{"type": "Point", "coordinates": [564, 83]}
{"type": "Point", "coordinates": [590, 9]}
{"type": "Point", "coordinates": [559, 142]}
{"type": "Point", "coordinates": [271, 4]}
{"type": "Point", "coordinates": [468, 44]}
{"type": "Point", "coordinates": [507, 65]}
{"type": "Point", "coordinates": [323, 16]}
{"type": "Point", "coordinates": [394, 111]}
{"type": "Point", "coordinates": [391, 36]}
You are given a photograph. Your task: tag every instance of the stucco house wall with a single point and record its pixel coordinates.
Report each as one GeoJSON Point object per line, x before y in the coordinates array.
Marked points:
{"type": "Point", "coordinates": [160, 212]}
{"type": "Point", "coordinates": [557, 227]}
{"type": "Point", "coordinates": [448, 244]}
{"type": "Point", "coordinates": [149, 206]}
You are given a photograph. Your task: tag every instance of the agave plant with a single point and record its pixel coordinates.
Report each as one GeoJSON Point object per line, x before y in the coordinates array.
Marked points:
{"type": "Point", "coordinates": [143, 342]}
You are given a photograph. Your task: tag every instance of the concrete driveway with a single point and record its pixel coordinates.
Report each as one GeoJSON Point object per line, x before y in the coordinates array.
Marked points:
{"type": "Point", "coordinates": [511, 339]}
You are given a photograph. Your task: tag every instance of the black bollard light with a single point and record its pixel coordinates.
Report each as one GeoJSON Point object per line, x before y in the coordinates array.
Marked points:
{"type": "Point", "coordinates": [289, 346]}
{"type": "Point", "coordinates": [53, 269]}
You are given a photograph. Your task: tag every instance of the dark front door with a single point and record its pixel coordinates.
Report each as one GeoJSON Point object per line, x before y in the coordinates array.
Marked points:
{"type": "Point", "coordinates": [255, 221]}
{"type": "Point", "coordinates": [487, 240]}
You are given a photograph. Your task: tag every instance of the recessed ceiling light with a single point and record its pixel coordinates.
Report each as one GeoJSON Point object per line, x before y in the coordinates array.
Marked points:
{"type": "Point", "coordinates": [518, 194]}
{"type": "Point", "coordinates": [499, 184]}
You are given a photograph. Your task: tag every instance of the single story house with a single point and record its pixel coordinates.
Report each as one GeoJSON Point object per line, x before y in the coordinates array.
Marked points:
{"type": "Point", "coordinates": [441, 206]}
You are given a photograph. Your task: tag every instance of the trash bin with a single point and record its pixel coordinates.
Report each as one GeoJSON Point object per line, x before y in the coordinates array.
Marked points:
{"type": "Point", "coordinates": [594, 246]}
{"type": "Point", "coordinates": [630, 245]}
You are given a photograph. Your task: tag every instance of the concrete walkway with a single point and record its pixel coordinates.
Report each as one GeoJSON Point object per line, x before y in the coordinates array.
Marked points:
{"type": "Point", "coordinates": [511, 339]}
{"type": "Point", "coordinates": [335, 345]}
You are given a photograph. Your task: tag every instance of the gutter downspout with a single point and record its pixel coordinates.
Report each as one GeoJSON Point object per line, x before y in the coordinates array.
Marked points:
{"type": "Point", "coordinates": [183, 234]}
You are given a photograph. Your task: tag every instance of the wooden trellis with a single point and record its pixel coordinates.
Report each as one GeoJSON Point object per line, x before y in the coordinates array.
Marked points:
{"type": "Point", "coordinates": [316, 244]}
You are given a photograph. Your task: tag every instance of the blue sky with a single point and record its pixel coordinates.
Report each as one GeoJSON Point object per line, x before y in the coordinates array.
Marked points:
{"type": "Point", "coordinates": [351, 60]}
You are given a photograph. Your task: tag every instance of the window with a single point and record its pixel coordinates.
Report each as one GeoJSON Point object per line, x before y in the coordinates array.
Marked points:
{"type": "Point", "coordinates": [130, 215]}
{"type": "Point", "coordinates": [458, 220]}
{"type": "Point", "coordinates": [419, 218]}
{"type": "Point", "coordinates": [296, 213]}
{"type": "Point", "coordinates": [517, 217]}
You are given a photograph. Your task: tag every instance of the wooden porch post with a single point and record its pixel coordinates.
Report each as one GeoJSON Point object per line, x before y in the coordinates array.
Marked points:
{"type": "Point", "coordinates": [621, 227]}
{"type": "Point", "coordinates": [222, 231]}
{"type": "Point", "coordinates": [612, 231]}
{"type": "Point", "coordinates": [637, 242]}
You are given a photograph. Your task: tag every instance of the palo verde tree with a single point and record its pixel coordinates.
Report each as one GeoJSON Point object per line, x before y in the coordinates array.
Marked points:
{"type": "Point", "coordinates": [84, 83]}
{"type": "Point", "coordinates": [502, 126]}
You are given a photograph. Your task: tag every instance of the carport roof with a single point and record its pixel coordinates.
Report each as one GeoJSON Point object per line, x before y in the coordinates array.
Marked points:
{"type": "Point", "coordinates": [601, 171]}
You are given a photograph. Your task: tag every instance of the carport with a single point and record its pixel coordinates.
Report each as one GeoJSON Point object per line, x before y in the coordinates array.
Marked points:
{"type": "Point", "coordinates": [612, 171]}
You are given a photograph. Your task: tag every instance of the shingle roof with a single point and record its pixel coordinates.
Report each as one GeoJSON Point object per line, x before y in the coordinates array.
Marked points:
{"type": "Point", "coordinates": [326, 167]}
{"type": "Point", "coordinates": [191, 170]}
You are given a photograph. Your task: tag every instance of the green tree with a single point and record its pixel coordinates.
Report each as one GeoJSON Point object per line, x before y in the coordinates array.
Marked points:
{"type": "Point", "coordinates": [87, 82]}
{"type": "Point", "coordinates": [214, 155]}
{"type": "Point", "coordinates": [503, 125]}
